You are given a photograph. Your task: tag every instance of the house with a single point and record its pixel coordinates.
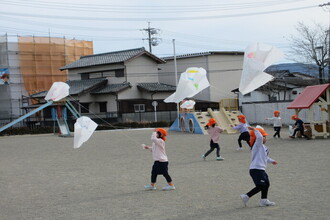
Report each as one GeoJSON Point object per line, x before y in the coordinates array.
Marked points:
{"type": "Point", "coordinates": [121, 82]}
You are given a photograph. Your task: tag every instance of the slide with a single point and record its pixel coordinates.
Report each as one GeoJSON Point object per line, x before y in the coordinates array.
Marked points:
{"type": "Point", "coordinates": [202, 119]}
{"type": "Point", "coordinates": [63, 128]}
{"type": "Point", "coordinates": [225, 119]}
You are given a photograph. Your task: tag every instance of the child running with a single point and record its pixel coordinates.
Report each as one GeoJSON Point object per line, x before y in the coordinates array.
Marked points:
{"type": "Point", "coordinates": [298, 126]}
{"type": "Point", "coordinates": [258, 165]}
{"type": "Point", "coordinates": [160, 166]}
{"type": "Point", "coordinates": [277, 123]}
{"type": "Point", "coordinates": [242, 128]}
{"type": "Point", "coordinates": [214, 132]}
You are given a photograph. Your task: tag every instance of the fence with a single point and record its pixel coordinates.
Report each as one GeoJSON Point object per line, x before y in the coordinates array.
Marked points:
{"type": "Point", "coordinates": [257, 112]}
{"type": "Point", "coordinates": [101, 118]}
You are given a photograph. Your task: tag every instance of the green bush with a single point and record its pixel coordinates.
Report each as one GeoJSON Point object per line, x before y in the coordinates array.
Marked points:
{"type": "Point", "coordinates": [26, 130]}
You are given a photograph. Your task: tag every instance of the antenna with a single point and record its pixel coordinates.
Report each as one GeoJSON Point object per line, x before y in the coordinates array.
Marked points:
{"type": "Point", "coordinates": [153, 41]}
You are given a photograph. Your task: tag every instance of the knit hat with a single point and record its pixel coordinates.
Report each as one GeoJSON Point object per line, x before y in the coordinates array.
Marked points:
{"type": "Point", "coordinates": [163, 132]}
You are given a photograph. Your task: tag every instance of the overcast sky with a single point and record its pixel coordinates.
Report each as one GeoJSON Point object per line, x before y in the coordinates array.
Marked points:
{"type": "Point", "coordinates": [196, 26]}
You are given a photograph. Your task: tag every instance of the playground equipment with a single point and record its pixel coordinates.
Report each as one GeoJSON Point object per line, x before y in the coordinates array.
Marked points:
{"type": "Point", "coordinates": [59, 116]}
{"type": "Point", "coordinates": [194, 122]}
{"type": "Point", "coordinates": [315, 98]}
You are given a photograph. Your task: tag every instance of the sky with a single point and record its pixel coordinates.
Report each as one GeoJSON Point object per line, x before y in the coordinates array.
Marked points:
{"type": "Point", "coordinates": [195, 26]}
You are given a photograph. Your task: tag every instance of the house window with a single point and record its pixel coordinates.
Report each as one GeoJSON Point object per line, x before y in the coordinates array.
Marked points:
{"type": "Point", "coordinates": [103, 106]}
{"type": "Point", "coordinates": [139, 108]}
{"type": "Point", "coordinates": [85, 76]}
{"type": "Point", "coordinates": [119, 73]}
{"type": "Point", "coordinates": [84, 107]}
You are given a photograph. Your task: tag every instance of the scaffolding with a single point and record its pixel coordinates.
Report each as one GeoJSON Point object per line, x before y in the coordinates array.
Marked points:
{"type": "Point", "coordinates": [32, 65]}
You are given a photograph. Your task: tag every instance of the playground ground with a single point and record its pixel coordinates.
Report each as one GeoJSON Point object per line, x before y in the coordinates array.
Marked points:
{"type": "Point", "coordinates": [43, 177]}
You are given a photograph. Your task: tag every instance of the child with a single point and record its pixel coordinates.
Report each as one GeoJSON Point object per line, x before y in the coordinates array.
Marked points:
{"type": "Point", "coordinates": [298, 126]}
{"type": "Point", "coordinates": [160, 166]}
{"type": "Point", "coordinates": [242, 128]}
{"type": "Point", "coordinates": [258, 165]}
{"type": "Point", "coordinates": [277, 123]}
{"type": "Point", "coordinates": [214, 132]}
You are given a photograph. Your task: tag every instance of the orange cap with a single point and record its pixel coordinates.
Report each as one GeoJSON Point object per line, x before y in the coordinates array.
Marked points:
{"type": "Point", "coordinates": [241, 118]}
{"type": "Point", "coordinates": [212, 121]}
{"type": "Point", "coordinates": [276, 112]}
{"type": "Point", "coordinates": [163, 132]}
{"type": "Point", "coordinates": [253, 135]}
{"type": "Point", "coordinates": [294, 117]}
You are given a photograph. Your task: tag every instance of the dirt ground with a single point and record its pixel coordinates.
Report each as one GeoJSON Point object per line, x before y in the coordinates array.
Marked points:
{"type": "Point", "coordinates": [43, 177]}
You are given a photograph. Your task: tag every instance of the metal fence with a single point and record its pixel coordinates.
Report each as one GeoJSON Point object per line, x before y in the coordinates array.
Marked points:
{"type": "Point", "coordinates": [256, 113]}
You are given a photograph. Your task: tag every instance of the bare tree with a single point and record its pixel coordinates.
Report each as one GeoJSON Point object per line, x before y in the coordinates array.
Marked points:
{"type": "Point", "coordinates": [310, 45]}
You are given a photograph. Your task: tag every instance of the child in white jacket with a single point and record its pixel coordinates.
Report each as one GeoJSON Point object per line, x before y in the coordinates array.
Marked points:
{"type": "Point", "coordinates": [258, 165]}
{"type": "Point", "coordinates": [277, 123]}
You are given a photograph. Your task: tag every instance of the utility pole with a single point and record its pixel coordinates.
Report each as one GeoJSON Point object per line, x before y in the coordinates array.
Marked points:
{"type": "Point", "coordinates": [328, 33]}
{"type": "Point", "coordinates": [152, 40]}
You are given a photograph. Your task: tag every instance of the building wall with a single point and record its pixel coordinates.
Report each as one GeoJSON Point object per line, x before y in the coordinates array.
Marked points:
{"type": "Point", "coordinates": [224, 75]}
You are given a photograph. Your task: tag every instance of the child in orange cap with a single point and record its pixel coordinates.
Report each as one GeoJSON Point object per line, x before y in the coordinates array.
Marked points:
{"type": "Point", "coordinates": [160, 166]}
{"type": "Point", "coordinates": [277, 123]}
{"type": "Point", "coordinates": [258, 165]}
{"type": "Point", "coordinates": [214, 132]}
{"type": "Point", "coordinates": [242, 128]}
{"type": "Point", "coordinates": [298, 126]}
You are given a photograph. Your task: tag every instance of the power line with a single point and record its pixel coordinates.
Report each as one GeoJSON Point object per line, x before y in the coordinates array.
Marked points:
{"type": "Point", "coordinates": [153, 18]}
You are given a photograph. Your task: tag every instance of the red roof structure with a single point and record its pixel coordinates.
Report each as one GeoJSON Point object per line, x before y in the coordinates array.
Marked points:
{"type": "Point", "coordinates": [308, 96]}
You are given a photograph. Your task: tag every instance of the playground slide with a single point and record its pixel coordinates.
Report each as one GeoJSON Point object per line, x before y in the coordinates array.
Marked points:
{"type": "Point", "coordinates": [63, 127]}
{"type": "Point", "coordinates": [202, 119]}
{"type": "Point", "coordinates": [225, 119]}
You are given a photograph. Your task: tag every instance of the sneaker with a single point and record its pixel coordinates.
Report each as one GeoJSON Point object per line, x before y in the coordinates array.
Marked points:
{"type": "Point", "coordinates": [240, 148]}
{"type": "Point", "coordinates": [203, 157]}
{"type": "Point", "coordinates": [169, 187]}
{"type": "Point", "coordinates": [220, 158]}
{"type": "Point", "coordinates": [244, 198]}
{"type": "Point", "coordinates": [291, 136]}
{"type": "Point", "coordinates": [149, 187]}
{"type": "Point", "coordinates": [266, 202]}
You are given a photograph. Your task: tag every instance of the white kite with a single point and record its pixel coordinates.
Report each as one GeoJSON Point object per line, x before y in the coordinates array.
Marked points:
{"type": "Point", "coordinates": [257, 57]}
{"type": "Point", "coordinates": [191, 82]}
{"type": "Point", "coordinates": [188, 104]}
{"type": "Point", "coordinates": [83, 130]}
{"type": "Point", "coordinates": [58, 91]}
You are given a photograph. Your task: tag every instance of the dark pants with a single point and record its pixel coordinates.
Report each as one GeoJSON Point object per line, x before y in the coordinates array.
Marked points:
{"type": "Point", "coordinates": [160, 168]}
{"type": "Point", "coordinates": [277, 131]}
{"type": "Point", "coordinates": [212, 147]}
{"type": "Point", "coordinates": [260, 179]}
{"type": "Point", "coordinates": [301, 132]}
{"type": "Point", "coordinates": [245, 136]}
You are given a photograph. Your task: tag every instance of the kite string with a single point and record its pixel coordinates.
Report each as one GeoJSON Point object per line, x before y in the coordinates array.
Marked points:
{"type": "Point", "coordinates": [81, 106]}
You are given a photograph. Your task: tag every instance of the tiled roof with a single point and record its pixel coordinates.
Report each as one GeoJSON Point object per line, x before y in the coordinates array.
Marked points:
{"type": "Point", "coordinates": [80, 86]}
{"type": "Point", "coordinates": [204, 54]}
{"type": "Point", "coordinates": [112, 88]}
{"type": "Point", "coordinates": [110, 58]}
{"type": "Point", "coordinates": [156, 87]}
{"type": "Point", "coordinates": [77, 86]}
